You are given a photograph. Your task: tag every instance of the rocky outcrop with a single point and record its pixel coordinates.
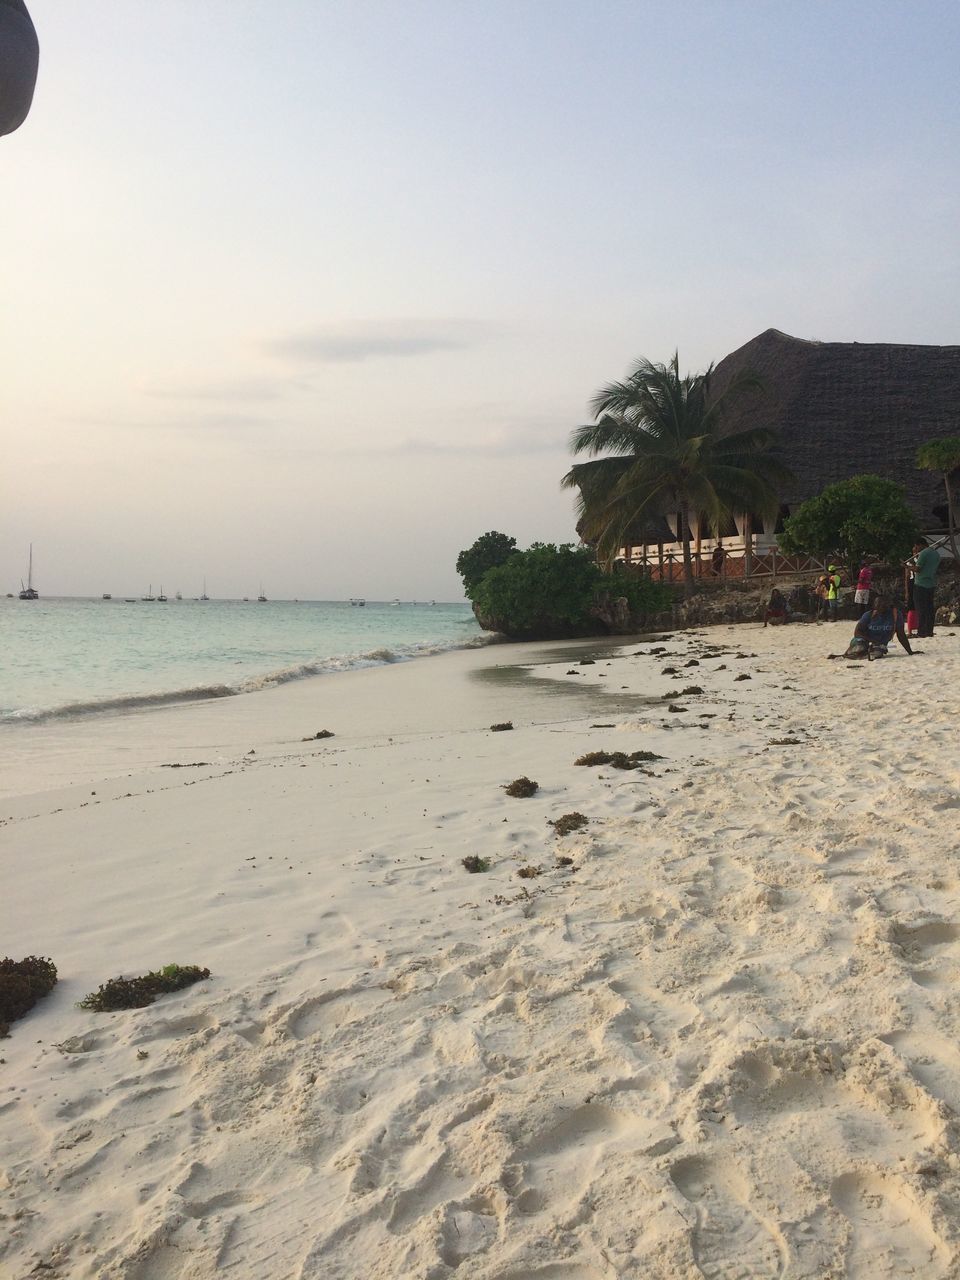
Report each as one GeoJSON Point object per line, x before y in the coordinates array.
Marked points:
{"type": "Point", "coordinates": [713, 606]}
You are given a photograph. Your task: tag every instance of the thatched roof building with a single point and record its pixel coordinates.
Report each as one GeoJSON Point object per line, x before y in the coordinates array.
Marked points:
{"type": "Point", "coordinates": [848, 408]}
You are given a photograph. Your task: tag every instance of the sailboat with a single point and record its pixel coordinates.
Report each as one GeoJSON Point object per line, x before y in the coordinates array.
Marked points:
{"type": "Point", "coordinates": [261, 598]}
{"type": "Point", "coordinates": [204, 596]}
{"type": "Point", "coordinates": [161, 597]}
{"type": "Point", "coordinates": [29, 592]}
{"type": "Point", "coordinates": [149, 595]}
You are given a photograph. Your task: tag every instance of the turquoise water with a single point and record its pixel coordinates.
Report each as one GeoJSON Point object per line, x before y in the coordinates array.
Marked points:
{"type": "Point", "coordinates": [65, 657]}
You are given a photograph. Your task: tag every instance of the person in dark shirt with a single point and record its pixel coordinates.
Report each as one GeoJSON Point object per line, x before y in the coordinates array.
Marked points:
{"type": "Point", "coordinates": [876, 629]}
{"type": "Point", "coordinates": [924, 563]}
{"type": "Point", "coordinates": [776, 613]}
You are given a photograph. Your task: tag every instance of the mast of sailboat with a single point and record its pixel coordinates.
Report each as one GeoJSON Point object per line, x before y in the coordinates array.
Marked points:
{"type": "Point", "coordinates": [27, 592]}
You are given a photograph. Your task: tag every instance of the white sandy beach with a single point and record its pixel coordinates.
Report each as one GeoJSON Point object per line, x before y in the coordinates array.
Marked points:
{"type": "Point", "coordinates": [723, 1042]}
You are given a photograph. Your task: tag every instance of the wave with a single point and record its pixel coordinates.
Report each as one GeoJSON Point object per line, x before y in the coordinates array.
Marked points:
{"type": "Point", "coordinates": [250, 684]}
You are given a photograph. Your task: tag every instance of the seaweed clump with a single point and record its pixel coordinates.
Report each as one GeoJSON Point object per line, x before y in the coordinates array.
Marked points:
{"type": "Point", "coordinates": [475, 864]}
{"type": "Point", "coordinates": [501, 728]}
{"type": "Point", "coordinates": [321, 733]}
{"type": "Point", "coordinates": [136, 993]}
{"type": "Point", "coordinates": [568, 822]}
{"type": "Point", "coordinates": [617, 759]}
{"type": "Point", "coordinates": [22, 984]}
{"type": "Point", "coordinates": [522, 787]}
{"type": "Point", "coordinates": [530, 873]}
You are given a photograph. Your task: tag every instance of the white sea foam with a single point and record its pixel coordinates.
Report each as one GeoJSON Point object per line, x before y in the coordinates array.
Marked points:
{"type": "Point", "coordinates": [250, 684]}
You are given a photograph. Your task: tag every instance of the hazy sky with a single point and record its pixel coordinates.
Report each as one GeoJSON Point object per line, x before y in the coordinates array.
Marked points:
{"type": "Point", "coordinates": [312, 293]}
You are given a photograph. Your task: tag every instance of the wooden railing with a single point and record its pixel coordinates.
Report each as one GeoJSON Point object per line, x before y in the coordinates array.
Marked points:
{"type": "Point", "coordinates": [668, 566]}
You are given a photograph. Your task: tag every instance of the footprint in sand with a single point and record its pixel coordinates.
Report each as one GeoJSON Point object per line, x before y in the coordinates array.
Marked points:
{"type": "Point", "coordinates": [730, 1241]}
{"type": "Point", "coordinates": [890, 1235]}
{"type": "Point", "coordinates": [559, 1164]}
{"type": "Point", "coordinates": [326, 1014]}
{"type": "Point", "coordinates": [917, 943]}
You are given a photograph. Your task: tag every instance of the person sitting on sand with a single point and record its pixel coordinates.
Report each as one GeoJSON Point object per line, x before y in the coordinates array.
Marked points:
{"type": "Point", "coordinates": [776, 612]}
{"type": "Point", "coordinates": [876, 629]}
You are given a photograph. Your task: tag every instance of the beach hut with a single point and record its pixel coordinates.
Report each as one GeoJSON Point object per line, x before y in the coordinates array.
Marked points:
{"type": "Point", "coordinates": [840, 409]}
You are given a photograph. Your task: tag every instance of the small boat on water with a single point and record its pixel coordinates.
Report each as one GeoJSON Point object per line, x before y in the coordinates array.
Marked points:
{"type": "Point", "coordinates": [149, 595]}
{"type": "Point", "coordinates": [178, 596]}
{"type": "Point", "coordinates": [261, 598]}
{"type": "Point", "coordinates": [204, 595]}
{"type": "Point", "coordinates": [106, 596]}
{"type": "Point", "coordinates": [29, 592]}
{"type": "Point", "coordinates": [356, 600]}
{"type": "Point", "coordinates": [161, 597]}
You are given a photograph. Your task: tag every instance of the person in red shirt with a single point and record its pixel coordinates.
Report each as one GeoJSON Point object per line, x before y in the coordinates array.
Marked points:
{"type": "Point", "coordinates": [864, 585]}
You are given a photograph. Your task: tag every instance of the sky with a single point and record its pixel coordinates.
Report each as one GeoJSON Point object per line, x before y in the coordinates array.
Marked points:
{"type": "Point", "coordinates": [311, 293]}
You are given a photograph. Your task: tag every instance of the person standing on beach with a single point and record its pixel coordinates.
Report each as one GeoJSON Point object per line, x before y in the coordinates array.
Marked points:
{"type": "Point", "coordinates": [925, 563]}
{"type": "Point", "coordinates": [718, 558]}
{"type": "Point", "coordinates": [833, 593]}
{"type": "Point", "coordinates": [19, 59]}
{"type": "Point", "coordinates": [864, 584]}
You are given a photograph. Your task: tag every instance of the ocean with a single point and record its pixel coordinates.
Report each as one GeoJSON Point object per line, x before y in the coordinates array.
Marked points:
{"type": "Point", "coordinates": [72, 657]}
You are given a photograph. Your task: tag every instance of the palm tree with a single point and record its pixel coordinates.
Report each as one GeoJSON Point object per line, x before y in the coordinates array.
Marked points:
{"type": "Point", "coordinates": [668, 453]}
{"type": "Point", "coordinates": [943, 455]}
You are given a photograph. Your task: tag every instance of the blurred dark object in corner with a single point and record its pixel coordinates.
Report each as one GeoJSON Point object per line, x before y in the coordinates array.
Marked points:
{"type": "Point", "coordinates": [19, 58]}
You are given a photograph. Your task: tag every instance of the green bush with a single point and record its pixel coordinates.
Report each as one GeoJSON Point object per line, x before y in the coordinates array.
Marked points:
{"type": "Point", "coordinates": [863, 517]}
{"type": "Point", "coordinates": [489, 550]}
{"type": "Point", "coordinates": [135, 993]}
{"type": "Point", "coordinates": [22, 984]}
{"type": "Point", "coordinates": [550, 589]}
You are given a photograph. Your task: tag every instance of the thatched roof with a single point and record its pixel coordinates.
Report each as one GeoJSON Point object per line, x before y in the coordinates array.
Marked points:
{"type": "Point", "coordinates": [847, 408]}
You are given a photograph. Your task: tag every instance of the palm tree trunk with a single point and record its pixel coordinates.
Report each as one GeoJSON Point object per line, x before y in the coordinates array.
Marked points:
{"type": "Point", "coordinates": [688, 583]}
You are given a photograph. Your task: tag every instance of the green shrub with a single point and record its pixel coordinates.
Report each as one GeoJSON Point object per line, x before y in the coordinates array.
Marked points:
{"type": "Point", "coordinates": [549, 589]}
{"type": "Point", "coordinates": [489, 550]}
{"type": "Point", "coordinates": [135, 993]}
{"type": "Point", "coordinates": [863, 517]}
{"type": "Point", "coordinates": [22, 984]}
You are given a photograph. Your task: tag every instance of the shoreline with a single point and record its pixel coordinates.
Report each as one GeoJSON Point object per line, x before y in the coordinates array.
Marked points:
{"type": "Point", "coordinates": [733, 1005]}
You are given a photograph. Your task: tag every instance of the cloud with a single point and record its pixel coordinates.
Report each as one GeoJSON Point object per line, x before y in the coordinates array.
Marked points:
{"type": "Point", "coordinates": [376, 339]}
{"type": "Point", "coordinates": [248, 390]}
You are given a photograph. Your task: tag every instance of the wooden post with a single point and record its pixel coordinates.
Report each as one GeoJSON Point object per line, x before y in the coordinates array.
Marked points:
{"type": "Point", "coordinates": [660, 556]}
{"type": "Point", "coordinates": [698, 539]}
{"type": "Point", "coordinates": [747, 545]}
